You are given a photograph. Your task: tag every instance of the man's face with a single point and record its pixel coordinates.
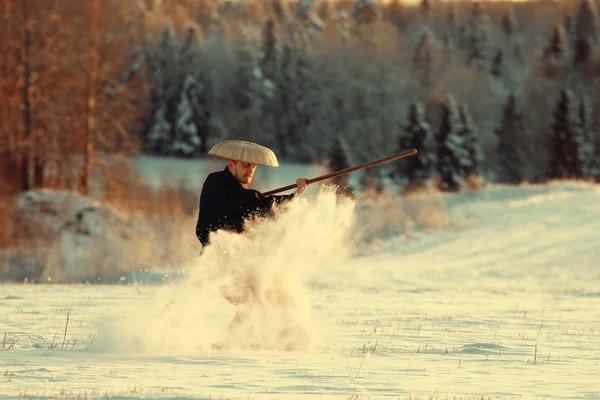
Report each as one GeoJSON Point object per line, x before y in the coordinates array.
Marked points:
{"type": "Point", "coordinates": [242, 171]}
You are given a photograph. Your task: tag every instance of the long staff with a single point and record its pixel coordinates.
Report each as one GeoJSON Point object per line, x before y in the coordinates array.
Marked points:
{"type": "Point", "coordinates": [347, 170]}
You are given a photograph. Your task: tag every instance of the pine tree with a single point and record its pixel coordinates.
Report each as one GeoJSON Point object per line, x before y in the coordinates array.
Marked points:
{"type": "Point", "coordinates": [451, 16]}
{"type": "Point", "coordinates": [365, 11]}
{"type": "Point", "coordinates": [202, 114]}
{"type": "Point", "coordinates": [423, 57]}
{"type": "Point", "coordinates": [509, 23]}
{"type": "Point", "coordinates": [512, 128]}
{"type": "Point", "coordinates": [371, 179]}
{"type": "Point", "coordinates": [558, 46]}
{"type": "Point", "coordinates": [595, 170]}
{"type": "Point", "coordinates": [191, 126]}
{"type": "Point", "coordinates": [561, 147]}
{"type": "Point", "coordinates": [498, 63]}
{"type": "Point", "coordinates": [158, 139]}
{"type": "Point", "coordinates": [339, 155]}
{"type": "Point", "coordinates": [162, 61]}
{"type": "Point", "coordinates": [247, 96]}
{"type": "Point", "coordinates": [417, 135]}
{"type": "Point", "coordinates": [293, 114]}
{"type": "Point", "coordinates": [585, 32]}
{"type": "Point", "coordinates": [268, 56]}
{"type": "Point", "coordinates": [586, 21]}
{"type": "Point", "coordinates": [450, 147]}
{"type": "Point", "coordinates": [186, 140]}
{"type": "Point", "coordinates": [471, 164]}
{"type": "Point", "coordinates": [582, 52]}
{"type": "Point", "coordinates": [476, 36]}
{"type": "Point", "coordinates": [584, 141]}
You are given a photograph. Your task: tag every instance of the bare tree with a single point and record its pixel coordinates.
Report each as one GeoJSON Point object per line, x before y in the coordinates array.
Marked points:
{"type": "Point", "coordinates": [84, 185]}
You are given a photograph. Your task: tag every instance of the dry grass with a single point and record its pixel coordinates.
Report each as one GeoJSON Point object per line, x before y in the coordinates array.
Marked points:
{"type": "Point", "coordinates": [166, 216]}
{"type": "Point", "coordinates": [425, 210]}
{"type": "Point", "coordinates": [170, 211]}
{"type": "Point", "coordinates": [134, 198]}
{"type": "Point", "coordinates": [387, 213]}
{"type": "Point", "coordinates": [472, 183]}
{"type": "Point", "coordinates": [415, 208]}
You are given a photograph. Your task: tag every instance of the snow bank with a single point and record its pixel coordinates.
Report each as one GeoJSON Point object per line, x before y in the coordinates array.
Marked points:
{"type": "Point", "coordinates": [91, 241]}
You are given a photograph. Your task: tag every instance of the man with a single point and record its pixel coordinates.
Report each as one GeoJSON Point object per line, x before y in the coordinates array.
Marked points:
{"type": "Point", "coordinates": [225, 201]}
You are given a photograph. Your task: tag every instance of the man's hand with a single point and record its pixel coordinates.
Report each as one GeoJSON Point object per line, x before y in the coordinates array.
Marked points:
{"type": "Point", "coordinates": [302, 184]}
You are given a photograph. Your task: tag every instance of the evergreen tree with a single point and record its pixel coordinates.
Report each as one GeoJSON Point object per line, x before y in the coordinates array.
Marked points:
{"type": "Point", "coordinates": [511, 130]}
{"type": "Point", "coordinates": [293, 114]}
{"type": "Point", "coordinates": [162, 61]}
{"type": "Point", "coordinates": [595, 170]}
{"type": "Point", "coordinates": [365, 11]}
{"type": "Point", "coordinates": [451, 16]}
{"type": "Point", "coordinates": [473, 157]}
{"type": "Point", "coordinates": [558, 45]}
{"type": "Point", "coordinates": [450, 147]}
{"type": "Point", "coordinates": [585, 32]}
{"type": "Point", "coordinates": [247, 97]}
{"type": "Point", "coordinates": [586, 21]}
{"type": "Point", "coordinates": [568, 25]}
{"type": "Point", "coordinates": [202, 115]}
{"type": "Point", "coordinates": [158, 139]}
{"type": "Point", "coordinates": [562, 147]}
{"type": "Point", "coordinates": [192, 122]}
{"type": "Point", "coordinates": [498, 63]}
{"type": "Point", "coordinates": [371, 179]}
{"type": "Point", "coordinates": [268, 49]}
{"type": "Point", "coordinates": [281, 10]}
{"type": "Point", "coordinates": [186, 141]}
{"type": "Point", "coordinates": [477, 36]}
{"type": "Point", "coordinates": [584, 141]}
{"type": "Point", "coordinates": [582, 52]}
{"type": "Point", "coordinates": [423, 58]}
{"type": "Point", "coordinates": [509, 23]}
{"type": "Point", "coordinates": [339, 158]}
{"type": "Point", "coordinates": [417, 135]}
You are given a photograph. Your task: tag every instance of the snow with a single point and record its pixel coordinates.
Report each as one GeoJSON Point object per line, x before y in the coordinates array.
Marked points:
{"type": "Point", "coordinates": [503, 302]}
{"type": "Point", "coordinates": [93, 241]}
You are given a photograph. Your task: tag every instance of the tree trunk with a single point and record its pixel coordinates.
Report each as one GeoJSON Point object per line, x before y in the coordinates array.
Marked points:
{"type": "Point", "coordinates": [91, 99]}
{"type": "Point", "coordinates": [4, 97]}
{"type": "Point", "coordinates": [23, 156]}
{"type": "Point", "coordinates": [38, 172]}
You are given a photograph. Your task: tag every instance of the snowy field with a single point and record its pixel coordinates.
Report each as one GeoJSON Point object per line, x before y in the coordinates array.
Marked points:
{"type": "Point", "coordinates": [504, 305]}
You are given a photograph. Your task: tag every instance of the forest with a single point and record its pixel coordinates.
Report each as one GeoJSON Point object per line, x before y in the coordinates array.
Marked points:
{"type": "Point", "coordinates": [501, 90]}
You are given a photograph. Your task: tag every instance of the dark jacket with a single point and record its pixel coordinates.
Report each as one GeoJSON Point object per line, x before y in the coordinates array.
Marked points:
{"type": "Point", "coordinates": [226, 204]}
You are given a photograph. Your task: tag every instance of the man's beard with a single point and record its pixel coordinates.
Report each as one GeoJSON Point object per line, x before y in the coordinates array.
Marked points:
{"type": "Point", "coordinates": [245, 179]}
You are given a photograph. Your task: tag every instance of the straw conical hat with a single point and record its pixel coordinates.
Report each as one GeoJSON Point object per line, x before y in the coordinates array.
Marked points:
{"type": "Point", "coordinates": [240, 150]}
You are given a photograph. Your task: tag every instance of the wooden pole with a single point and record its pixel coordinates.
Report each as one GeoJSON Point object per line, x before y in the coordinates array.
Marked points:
{"type": "Point", "coordinates": [347, 170]}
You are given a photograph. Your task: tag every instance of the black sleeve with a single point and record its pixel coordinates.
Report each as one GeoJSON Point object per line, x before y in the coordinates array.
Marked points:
{"type": "Point", "coordinates": [262, 205]}
{"type": "Point", "coordinates": [252, 202]}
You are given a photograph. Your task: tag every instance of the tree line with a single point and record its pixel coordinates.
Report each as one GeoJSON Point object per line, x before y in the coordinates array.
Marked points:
{"type": "Point", "coordinates": [472, 85]}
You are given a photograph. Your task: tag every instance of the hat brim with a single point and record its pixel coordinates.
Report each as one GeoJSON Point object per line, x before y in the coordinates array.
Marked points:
{"type": "Point", "coordinates": [239, 150]}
